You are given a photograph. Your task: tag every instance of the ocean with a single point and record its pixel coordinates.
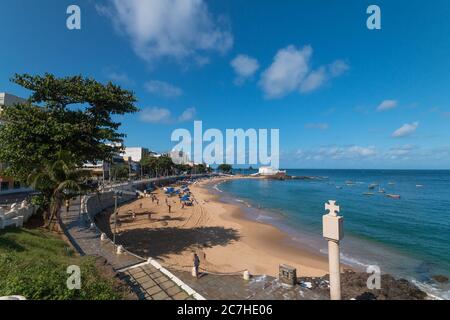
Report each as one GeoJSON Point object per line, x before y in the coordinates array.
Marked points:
{"type": "Point", "coordinates": [407, 237]}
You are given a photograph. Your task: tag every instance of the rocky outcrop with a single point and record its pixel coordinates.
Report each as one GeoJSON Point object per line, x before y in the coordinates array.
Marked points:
{"type": "Point", "coordinates": [354, 286]}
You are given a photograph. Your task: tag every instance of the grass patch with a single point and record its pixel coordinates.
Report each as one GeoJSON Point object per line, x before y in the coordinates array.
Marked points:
{"type": "Point", "coordinates": [33, 263]}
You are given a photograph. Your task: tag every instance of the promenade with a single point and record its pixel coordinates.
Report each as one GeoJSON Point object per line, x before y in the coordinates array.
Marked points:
{"type": "Point", "coordinates": [147, 279]}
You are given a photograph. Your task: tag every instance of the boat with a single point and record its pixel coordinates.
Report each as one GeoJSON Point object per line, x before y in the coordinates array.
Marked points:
{"type": "Point", "coordinates": [349, 183]}
{"type": "Point", "coordinates": [419, 186]}
{"type": "Point", "coordinates": [381, 190]}
{"type": "Point", "coordinates": [372, 186]}
{"type": "Point", "coordinates": [393, 196]}
{"type": "Point", "coordinates": [368, 193]}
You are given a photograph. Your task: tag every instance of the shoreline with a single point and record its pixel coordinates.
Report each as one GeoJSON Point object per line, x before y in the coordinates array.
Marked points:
{"type": "Point", "coordinates": [225, 238]}
{"type": "Point", "coordinates": [219, 232]}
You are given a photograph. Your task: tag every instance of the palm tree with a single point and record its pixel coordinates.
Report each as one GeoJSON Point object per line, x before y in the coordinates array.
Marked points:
{"type": "Point", "coordinates": [58, 181]}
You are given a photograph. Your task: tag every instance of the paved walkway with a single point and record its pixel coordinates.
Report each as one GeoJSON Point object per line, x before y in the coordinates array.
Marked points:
{"type": "Point", "coordinates": [146, 280]}
{"type": "Point", "coordinates": [234, 287]}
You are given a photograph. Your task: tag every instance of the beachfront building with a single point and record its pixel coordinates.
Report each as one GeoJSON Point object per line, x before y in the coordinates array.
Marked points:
{"type": "Point", "coordinates": [179, 157]}
{"type": "Point", "coordinates": [269, 171]}
{"type": "Point", "coordinates": [135, 153]}
{"type": "Point", "coordinates": [7, 184]}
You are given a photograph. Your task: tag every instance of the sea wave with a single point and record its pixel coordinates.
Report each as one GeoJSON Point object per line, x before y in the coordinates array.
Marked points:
{"type": "Point", "coordinates": [432, 291]}
{"type": "Point", "coordinates": [216, 187]}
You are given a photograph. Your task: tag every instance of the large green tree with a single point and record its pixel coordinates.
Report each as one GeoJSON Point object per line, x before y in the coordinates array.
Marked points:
{"type": "Point", "coordinates": [58, 181]}
{"type": "Point", "coordinates": [71, 114]}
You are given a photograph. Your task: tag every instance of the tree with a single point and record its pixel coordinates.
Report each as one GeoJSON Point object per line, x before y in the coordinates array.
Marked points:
{"type": "Point", "coordinates": [158, 166]}
{"type": "Point", "coordinates": [58, 181]}
{"type": "Point", "coordinates": [225, 168]}
{"type": "Point", "coordinates": [120, 171]}
{"type": "Point", "coordinates": [72, 114]}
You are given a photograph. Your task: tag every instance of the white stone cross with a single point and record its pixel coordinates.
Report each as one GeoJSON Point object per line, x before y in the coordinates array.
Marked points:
{"type": "Point", "coordinates": [332, 207]}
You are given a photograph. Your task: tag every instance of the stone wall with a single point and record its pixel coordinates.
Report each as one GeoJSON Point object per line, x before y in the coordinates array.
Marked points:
{"type": "Point", "coordinates": [16, 215]}
{"type": "Point", "coordinates": [96, 203]}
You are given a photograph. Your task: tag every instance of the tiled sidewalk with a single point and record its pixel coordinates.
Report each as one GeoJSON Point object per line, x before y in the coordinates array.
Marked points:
{"type": "Point", "coordinates": [145, 280]}
{"type": "Point", "coordinates": [151, 284]}
{"type": "Point", "coordinates": [233, 287]}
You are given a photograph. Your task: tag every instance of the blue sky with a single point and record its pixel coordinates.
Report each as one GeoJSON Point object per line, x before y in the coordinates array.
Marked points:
{"type": "Point", "coordinates": [342, 96]}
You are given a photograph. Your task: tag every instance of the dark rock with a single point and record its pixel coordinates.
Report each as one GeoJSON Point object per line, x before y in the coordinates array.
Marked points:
{"type": "Point", "coordinates": [440, 278]}
{"type": "Point", "coordinates": [354, 285]}
{"type": "Point", "coordinates": [366, 296]}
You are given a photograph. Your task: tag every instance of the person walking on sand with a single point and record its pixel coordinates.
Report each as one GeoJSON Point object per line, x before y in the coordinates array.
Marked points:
{"type": "Point", "coordinates": [170, 207]}
{"type": "Point", "coordinates": [67, 205]}
{"type": "Point", "coordinates": [196, 261]}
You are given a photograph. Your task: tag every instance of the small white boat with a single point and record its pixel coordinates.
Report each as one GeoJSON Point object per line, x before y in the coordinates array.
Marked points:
{"type": "Point", "coordinates": [368, 193]}
{"type": "Point", "coordinates": [419, 186]}
{"type": "Point", "coordinates": [393, 196]}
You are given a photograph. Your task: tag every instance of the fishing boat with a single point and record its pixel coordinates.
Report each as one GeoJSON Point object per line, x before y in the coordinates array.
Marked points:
{"type": "Point", "coordinates": [381, 190]}
{"type": "Point", "coordinates": [393, 196]}
{"type": "Point", "coordinates": [368, 193]}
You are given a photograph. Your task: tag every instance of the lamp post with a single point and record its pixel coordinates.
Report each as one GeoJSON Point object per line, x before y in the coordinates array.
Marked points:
{"type": "Point", "coordinates": [117, 195]}
{"type": "Point", "coordinates": [333, 232]}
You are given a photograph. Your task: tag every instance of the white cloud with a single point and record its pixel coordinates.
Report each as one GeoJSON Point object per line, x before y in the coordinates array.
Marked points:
{"type": "Point", "coordinates": [162, 88]}
{"type": "Point", "coordinates": [169, 28]}
{"type": "Point", "coordinates": [117, 76]}
{"type": "Point", "coordinates": [155, 115]}
{"type": "Point", "coordinates": [290, 66]}
{"type": "Point", "coordinates": [405, 130]}
{"type": "Point", "coordinates": [387, 105]}
{"type": "Point", "coordinates": [320, 126]}
{"type": "Point", "coordinates": [314, 80]}
{"type": "Point", "coordinates": [290, 71]}
{"type": "Point", "coordinates": [244, 67]}
{"type": "Point", "coordinates": [164, 115]}
{"type": "Point", "coordinates": [187, 115]}
{"type": "Point", "coordinates": [338, 68]}
{"type": "Point", "coordinates": [352, 152]}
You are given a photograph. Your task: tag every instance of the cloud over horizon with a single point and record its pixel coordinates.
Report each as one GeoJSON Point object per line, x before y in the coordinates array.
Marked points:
{"type": "Point", "coordinates": [406, 130]}
{"type": "Point", "coordinates": [387, 105]}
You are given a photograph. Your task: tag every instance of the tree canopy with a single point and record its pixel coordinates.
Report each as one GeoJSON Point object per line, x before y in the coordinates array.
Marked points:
{"type": "Point", "coordinates": [225, 168]}
{"type": "Point", "coordinates": [71, 114]}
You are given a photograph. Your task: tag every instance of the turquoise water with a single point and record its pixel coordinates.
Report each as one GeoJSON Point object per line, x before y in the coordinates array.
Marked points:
{"type": "Point", "coordinates": [407, 237]}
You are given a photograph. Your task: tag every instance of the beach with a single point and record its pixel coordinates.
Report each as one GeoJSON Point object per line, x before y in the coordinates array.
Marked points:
{"type": "Point", "coordinates": [224, 238]}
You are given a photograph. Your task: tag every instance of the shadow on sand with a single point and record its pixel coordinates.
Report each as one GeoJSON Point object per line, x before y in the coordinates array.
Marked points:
{"type": "Point", "coordinates": [158, 243]}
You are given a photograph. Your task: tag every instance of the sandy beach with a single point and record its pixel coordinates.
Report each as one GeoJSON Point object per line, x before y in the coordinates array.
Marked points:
{"type": "Point", "coordinates": [225, 240]}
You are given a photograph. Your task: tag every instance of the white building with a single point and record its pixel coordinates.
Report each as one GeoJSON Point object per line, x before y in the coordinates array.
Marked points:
{"type": "Point", "coordinates": [269, 171]}
{"type": "Point", "coordinates": [179, 157]}
{"type": "Point", "coordinates": [135, 153]}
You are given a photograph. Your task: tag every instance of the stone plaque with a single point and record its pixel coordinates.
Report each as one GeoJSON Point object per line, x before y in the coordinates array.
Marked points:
{"type": "Point", "coordinates": [287, 275]}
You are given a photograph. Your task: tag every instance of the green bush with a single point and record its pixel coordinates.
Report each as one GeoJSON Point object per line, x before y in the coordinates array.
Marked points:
{"type": "Point", "coordinates": [33, 263]}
